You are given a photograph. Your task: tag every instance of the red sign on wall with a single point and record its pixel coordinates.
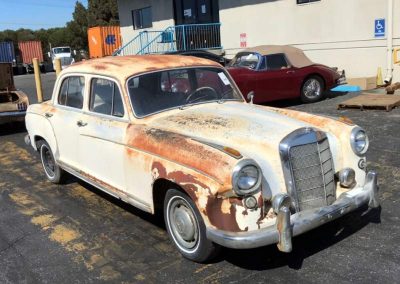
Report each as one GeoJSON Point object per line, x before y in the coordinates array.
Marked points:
{"type": "Point", "coordinates": [243, 40]}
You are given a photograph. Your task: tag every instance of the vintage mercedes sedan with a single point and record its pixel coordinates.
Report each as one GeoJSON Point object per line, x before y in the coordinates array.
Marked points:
{"type": "Point", "coordinates": [173, 134]}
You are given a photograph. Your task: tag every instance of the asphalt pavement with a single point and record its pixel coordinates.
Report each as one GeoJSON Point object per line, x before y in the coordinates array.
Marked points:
{"type": "Point", "coordinates": [74, 233]}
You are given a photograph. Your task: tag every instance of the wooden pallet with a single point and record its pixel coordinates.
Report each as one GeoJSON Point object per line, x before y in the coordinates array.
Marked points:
{"type": "Point", "coordinates": [370, 101]}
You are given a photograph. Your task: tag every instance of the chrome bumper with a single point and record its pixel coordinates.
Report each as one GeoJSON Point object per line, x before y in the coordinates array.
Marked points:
{"type": "Point", "coordinates": [288, 226]}
{"type": "Point", "coordinates": [12, 114]}
{"type": "Point", "coordinates": [9, 116]}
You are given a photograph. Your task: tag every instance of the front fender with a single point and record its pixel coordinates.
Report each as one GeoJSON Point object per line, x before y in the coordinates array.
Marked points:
{"type": "Point", "coordinates": [39, 126]}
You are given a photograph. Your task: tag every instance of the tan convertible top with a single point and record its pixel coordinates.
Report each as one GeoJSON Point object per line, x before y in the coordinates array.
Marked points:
{"type": "Point", "coordinates": [296, 56]}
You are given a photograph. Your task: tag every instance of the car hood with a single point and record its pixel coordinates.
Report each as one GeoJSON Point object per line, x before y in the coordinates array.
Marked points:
{"type": "Point", "coordinates": [244, 127]}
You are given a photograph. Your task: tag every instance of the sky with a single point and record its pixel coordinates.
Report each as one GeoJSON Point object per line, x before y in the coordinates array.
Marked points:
{"type": "Point", "coordinates": [36, 14]}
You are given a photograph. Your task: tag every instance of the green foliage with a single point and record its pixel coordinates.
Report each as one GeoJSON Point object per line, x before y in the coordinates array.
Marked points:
{"type": "Point", "coordinates": [102, 13]}
{"type": "Point", "coordinates": [74, 34]}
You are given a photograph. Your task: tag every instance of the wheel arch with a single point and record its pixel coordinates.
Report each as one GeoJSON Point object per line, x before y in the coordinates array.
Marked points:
{"type": "Point", "coordinates": [314, 74]}
{"type": "Point", "coordinates": [41, 129]}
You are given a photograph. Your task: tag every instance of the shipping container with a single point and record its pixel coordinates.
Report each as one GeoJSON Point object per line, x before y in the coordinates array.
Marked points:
{"type": "Point", "coordinates": [30, 50]}
{"type": "Point", "coordinates": [103, 41]}
{"type": "Point", "coordinates": [7, 53]}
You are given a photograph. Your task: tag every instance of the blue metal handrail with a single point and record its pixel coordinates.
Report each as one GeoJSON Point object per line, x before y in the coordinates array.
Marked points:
{"type": "Point", "coordinates": [122, 48]}
{"type": "Point", "coordinates": [174, 38]}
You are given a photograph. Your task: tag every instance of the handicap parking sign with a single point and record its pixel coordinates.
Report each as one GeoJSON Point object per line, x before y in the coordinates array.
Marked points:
{"type": "Point", "coordinates": [379, 27]}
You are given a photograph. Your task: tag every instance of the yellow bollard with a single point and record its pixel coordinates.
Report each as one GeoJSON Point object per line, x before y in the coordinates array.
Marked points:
{"type": "Point", "coordinates": [57, 66]}
{"type": "Point", "coordinates": [38, 80]}
{"type": "Point", "coordinates": [379, 79]}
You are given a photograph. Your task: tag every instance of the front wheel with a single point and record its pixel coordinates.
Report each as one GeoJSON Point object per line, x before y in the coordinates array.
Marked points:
{"type": "Point", "coordinates": [186, 228]}
{"type": "Point", "coordinates": [312, 89]}
{"type": "Point", "coordinates": [52, 170]}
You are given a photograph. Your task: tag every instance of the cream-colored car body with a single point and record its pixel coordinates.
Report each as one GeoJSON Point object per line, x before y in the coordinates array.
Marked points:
{"type": "Point", "coordinates": [132, 158]}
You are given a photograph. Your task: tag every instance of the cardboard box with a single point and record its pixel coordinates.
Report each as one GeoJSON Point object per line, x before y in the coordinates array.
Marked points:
{"type": "Point", "coordinates": [366, 83]}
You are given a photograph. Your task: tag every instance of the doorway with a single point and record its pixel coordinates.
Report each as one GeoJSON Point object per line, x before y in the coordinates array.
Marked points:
{"type": "Point", "coordinates": [197, 24]}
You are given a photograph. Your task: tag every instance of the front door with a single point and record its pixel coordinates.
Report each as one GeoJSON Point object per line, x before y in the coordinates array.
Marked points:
{"type": "Point", "coordinates": [101, 135]}
{"type": "Point", "coordinates": [275, 78]}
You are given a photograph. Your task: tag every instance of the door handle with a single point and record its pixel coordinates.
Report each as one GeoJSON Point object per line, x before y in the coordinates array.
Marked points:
{"type": "Point", "coordinates": [290, 72]}
{"type": "Point", "coordinates": [48, 115]}
{"type": "Point", "coordinates": [80, 123]}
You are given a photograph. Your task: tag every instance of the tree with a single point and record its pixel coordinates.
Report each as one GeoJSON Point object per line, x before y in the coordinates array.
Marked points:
{"type": "Point", "coordinates": [103, 13]}
{"type": "Point", "coordinates": [77, 28]}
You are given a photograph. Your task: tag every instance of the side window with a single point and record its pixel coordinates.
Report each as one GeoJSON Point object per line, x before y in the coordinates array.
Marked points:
{"type": "Point", "coordinates": [105, 98]}
{"type": "Point", "coordinates": [275, 62]}
{"type": "Point", "coordinates": [72, 91]}
{"type": "Point", "coordinates": [62, 98]}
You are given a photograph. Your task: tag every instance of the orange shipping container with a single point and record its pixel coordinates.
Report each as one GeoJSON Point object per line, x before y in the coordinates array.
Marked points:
{"type": "Point", "coordinates": [103, 41]}
{"type": "Point", "coordinates": [30, 50]}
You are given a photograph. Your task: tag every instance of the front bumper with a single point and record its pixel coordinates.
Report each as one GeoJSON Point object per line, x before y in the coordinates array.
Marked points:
{"type": "Point", "coordinates": [342, 79]}
{"type": "Point", "coordinates": [288, 226]}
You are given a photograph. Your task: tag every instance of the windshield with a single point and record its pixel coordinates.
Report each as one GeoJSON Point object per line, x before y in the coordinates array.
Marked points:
{"type": "Point", "coordinates": [62, 50]}
{"type": "Point", "coordinates": [246, 59]}
{"type": "Point", "coordinates": [179, 88]}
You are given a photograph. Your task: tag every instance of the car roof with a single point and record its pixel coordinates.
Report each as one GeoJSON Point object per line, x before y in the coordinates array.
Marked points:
{"type": "Point", "coordinates": [123, 67]}
{"type": "Point", "coordinates": [296, 56]}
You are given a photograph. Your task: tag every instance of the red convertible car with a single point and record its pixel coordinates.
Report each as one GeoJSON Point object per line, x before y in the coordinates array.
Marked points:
{"type": "Point", "coordinates": [282, 72]}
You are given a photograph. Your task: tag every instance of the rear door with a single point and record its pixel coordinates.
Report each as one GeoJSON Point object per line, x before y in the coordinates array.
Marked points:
{"type": "Point", "coordinates": [69, 105]}
{"type": "Point", "coordinates": [101, 134]}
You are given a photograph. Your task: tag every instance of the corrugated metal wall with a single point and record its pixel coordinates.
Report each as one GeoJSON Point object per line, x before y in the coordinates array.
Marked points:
{"type": "Point", "coordinates": [30, 50]}
{"type": "Point", "coordinates": [103, 41]}
{"type": "Point", "coordinates": [7, 53]}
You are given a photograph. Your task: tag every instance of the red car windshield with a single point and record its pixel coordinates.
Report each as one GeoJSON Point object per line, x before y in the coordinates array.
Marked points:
{"type": "Point", "coordinates": [246, 59]}
{"type": "Point", "coordinates": [155, 92]}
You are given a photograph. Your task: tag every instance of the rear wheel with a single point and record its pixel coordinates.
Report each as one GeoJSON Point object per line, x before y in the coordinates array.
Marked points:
{"type": "Point", "coordinates": [53, 171]}
{"type": "Point", "coordinates": [186, 228]}
{"type": "Point", "coordinates": [312, 89]}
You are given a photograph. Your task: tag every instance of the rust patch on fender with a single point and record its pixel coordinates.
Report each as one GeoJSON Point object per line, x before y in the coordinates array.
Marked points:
{"type": "Point", "coordinates": [184, 151]}
{"type": "Point", "coordinates": [222, 221]}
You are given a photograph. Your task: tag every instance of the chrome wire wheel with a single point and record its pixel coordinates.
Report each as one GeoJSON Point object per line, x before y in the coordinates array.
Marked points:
{"type": "Point", "coordinates": [48, 162]}
{"type": "Point", "coordinates": [183, 224]}
{"type": "Point", "coordinates": [312, 89]}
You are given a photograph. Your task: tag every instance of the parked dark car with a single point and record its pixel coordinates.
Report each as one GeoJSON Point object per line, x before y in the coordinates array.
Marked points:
{"type": "Point", "coordinates": [203, 54]}
{"type": "Point", "coordinates": [282, 72]}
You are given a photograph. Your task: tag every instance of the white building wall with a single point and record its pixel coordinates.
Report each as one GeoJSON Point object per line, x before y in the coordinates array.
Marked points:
{"type": "Point", "coordinates": [162, 10]}
{"type": "Point", "coordinates": [334, 32]}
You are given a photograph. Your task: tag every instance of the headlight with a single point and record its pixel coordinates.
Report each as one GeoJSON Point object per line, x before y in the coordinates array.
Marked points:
{"type": "Point", "coordinates": [246, 177]}
{"type": "Point", "coordinates": [359, 141]}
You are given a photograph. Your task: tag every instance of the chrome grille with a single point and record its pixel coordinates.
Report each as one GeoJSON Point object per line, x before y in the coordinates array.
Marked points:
{"type": "Point", "coordinates": [309, 169]}
{"type": "Point", "coordinates": [65, 61]}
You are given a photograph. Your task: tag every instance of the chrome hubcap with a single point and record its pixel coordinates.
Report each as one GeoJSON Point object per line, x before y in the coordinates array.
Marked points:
{"type": "Point", "coordinates": [312, 88]}
{"type": "Point", "coordinates": [183, 223]}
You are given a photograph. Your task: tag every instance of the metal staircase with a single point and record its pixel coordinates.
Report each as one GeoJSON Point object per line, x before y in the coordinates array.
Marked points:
{"type": "Point", "coordinates": [174, 38]}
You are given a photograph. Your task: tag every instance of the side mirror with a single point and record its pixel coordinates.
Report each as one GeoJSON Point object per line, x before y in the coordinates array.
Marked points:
{"type": "Point", "coordinates": [250, 97]}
